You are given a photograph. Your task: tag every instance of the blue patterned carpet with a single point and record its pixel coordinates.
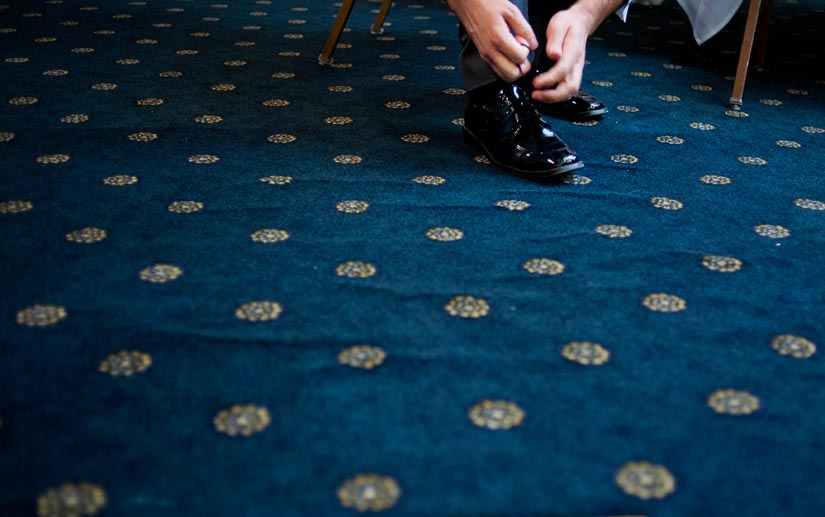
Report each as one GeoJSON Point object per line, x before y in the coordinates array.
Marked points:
{"type": "Point", "coordinates": [236, 283]}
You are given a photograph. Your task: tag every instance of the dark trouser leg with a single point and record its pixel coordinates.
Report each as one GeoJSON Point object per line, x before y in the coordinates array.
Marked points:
{"type": "Point", "coordinates": [474, 70]}
{"type": "Point", "coordinates": [539, 14]}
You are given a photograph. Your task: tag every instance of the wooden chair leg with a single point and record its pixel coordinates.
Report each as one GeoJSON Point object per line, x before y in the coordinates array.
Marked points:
{"type": "Point", "coordinates": [325, 58]}
{"type": "Point", "coordinates": [763, 29]}
{"type": "Point", "coordinates": [377, 25]}
{"type": "Point", "coordinates": [745, 54]}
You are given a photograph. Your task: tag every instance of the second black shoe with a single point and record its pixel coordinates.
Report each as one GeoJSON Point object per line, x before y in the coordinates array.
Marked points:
{"type": "Point", "coordinates": [579, 107]}
{"type": "Point", "coordinates": [507, 127]}
{"type": "Point", "coordinates": [582, 106]}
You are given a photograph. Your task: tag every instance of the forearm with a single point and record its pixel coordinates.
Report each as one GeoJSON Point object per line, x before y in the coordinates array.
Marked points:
{"type": "Point", "coordinates": [594, 12]}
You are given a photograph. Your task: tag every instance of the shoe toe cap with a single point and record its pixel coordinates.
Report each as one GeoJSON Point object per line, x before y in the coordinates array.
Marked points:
{"type": "Point", "coordinates": [547, 162]}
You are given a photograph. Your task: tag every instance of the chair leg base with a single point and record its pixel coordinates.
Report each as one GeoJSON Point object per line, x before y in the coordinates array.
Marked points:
{"type": "Point", "coordinates": [735, 104]}
{"type": "Point", "coordinates": [745, 53]}
{"type": "Point", "coordinates": [325, 58]}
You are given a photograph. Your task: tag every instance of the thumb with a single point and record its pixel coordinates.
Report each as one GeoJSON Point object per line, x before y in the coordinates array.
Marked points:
{"type": "Point", "coordinates": [555, 42]}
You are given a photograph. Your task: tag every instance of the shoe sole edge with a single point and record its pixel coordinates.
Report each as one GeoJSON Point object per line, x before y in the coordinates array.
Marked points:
{"type": "Point", "coordinates": [552, 173]}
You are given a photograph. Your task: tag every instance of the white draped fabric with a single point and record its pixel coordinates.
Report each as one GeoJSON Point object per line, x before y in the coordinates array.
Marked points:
{"type": "Point", "coordinates": [709, 16]}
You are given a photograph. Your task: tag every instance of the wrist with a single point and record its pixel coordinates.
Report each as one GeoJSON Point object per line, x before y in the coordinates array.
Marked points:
{"type": "Point", "coordinates": [593, 12]}
{"type": "Point", "coordinates": [587, 15]}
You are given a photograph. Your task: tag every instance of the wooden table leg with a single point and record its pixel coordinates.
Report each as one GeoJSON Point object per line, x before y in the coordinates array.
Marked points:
{"type": "Point", "coordinates": [325, 58]}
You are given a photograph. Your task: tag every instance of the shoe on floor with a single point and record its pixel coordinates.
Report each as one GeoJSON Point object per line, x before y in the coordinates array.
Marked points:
{"type": "Point", "coordinates": [582, 106]}
{"type": "Point", "coordinates": [579, 107]}
{"type": "Point", "coordinates": [504, 123]}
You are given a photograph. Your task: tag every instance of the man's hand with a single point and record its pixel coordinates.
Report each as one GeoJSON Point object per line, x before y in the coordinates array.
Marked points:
{"type": "Point", "coordinates": [567, 35]}
{"type": "Point", "coordinates": [493, 25]}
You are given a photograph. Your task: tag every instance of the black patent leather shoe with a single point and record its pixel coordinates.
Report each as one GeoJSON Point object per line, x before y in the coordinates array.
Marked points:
{"type": "Point", "coordinates": [582, 106]}
{"type": "Point", "coordinates": [579, 107]}
{"type": "Point", "coordinates": [507, 127]}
